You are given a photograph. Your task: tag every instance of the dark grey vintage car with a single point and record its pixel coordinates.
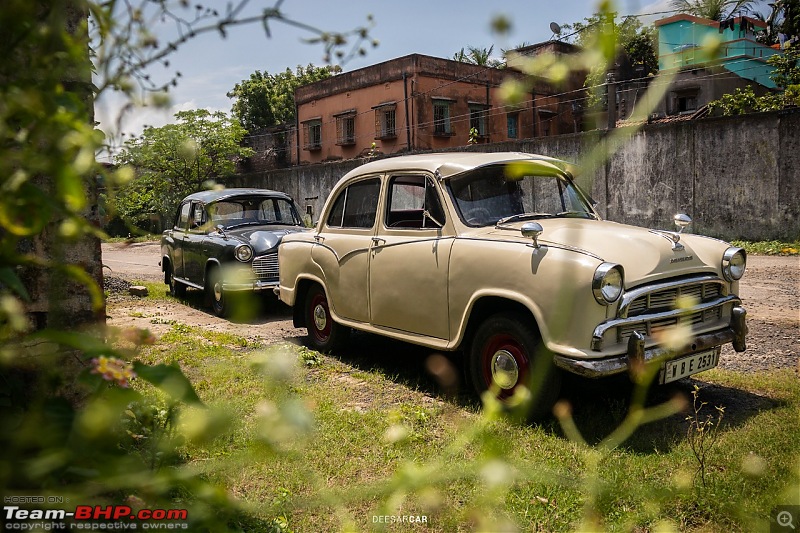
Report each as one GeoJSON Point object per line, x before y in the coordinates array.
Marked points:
{"type": "Point", "coordinates": [226, 241]}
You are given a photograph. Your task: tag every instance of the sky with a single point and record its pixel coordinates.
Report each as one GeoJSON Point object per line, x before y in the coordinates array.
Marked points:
{"type": "Point", "coordinates": [210, 66]}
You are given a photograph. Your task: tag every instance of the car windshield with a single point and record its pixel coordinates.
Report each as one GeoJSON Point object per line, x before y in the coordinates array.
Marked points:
{"type": "Point", "coordinates": [252, 211]}
{"type": "Point", "coordinates": [501, 194]}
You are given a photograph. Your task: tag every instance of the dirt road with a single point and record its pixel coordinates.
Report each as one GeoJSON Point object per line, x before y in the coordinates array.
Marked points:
{"type": "Point", "coordinates": [770, 291]}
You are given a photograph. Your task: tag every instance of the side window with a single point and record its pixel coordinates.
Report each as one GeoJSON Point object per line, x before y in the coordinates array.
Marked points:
{"type": "Point", "coordinates": [356, 206]}
{"type": "Point", "coordinates": [183, 216]}
{"type": "Point", "coordinates": [410, 197]}
{"type": "Point", "coordinates": [197, 217]}
{"type": "Point", "coordinates": [284, 212]}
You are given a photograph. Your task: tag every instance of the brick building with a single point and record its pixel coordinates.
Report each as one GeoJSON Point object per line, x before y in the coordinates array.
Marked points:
{"type": "Point", "coordinates": [419, 102]}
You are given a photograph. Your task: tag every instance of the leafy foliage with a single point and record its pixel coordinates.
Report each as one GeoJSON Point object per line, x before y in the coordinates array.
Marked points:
{"type": "Point", "coordinates": [713, 9]}
{"type": "Point", "coordinates": [637, 40]}
{"type": "Point", "coordinates": [65, 395]}
{"type": "Point", "coordinates": [266, 100]}
{"type": "Point", "coordinates": [478, 56]}
{"type": "Point", "coordinates": [177, 159]}
{"type": "Point", "coordinates": [639, 43]}
{"type": "Point", "coordinates": [786, 75]}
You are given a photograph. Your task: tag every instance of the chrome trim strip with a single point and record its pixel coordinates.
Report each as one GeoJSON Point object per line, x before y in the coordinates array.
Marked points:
{"type": "Point", "coordinates": [411, 241]}
{"type": "Point", "coordinates": [597, 336]}
{"type": "Point", "coordinates": [629, 296]}
{"type": "Point", "coordinates": [542, 244]}
{"type": "Point", "coordinates": [256, 285]}
{"type": "Point", "coordinates": [189, 283]}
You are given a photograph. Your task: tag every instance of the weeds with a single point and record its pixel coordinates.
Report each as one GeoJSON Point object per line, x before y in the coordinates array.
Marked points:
{"type": "Point", "coordinates": [702, 433]}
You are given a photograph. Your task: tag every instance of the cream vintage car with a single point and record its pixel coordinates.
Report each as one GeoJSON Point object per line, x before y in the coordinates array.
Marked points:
{"type": "Point", "coordinates": [503, 257]}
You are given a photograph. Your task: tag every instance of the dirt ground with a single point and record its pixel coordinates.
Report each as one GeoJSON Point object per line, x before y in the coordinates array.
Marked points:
{"type": "Point", "coordinates": [770, 291]}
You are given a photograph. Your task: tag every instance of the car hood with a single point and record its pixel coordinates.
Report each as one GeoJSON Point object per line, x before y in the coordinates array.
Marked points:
{"type": "Point", "coordinates": [645, 254]}
{"type": "Point", "coordinates": [264, 239]}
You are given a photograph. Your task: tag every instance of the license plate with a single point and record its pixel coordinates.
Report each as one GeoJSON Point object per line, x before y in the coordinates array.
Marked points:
{"type": "Point", "coordinates": [691, 364]}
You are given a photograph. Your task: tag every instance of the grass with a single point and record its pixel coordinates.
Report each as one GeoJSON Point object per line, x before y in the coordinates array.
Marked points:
{"type": "Point", "coordinates": [328, 443]}
{"type": "Point", "coordinates": [769, 247]}
{"type": "Point", "coordinates": [137, 238]}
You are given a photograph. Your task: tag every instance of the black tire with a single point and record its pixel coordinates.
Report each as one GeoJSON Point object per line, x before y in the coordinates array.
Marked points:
{"type": "Point", "coordinates": [324, 334]}
{"type": "Point", "coordinates": [176, 288]}
{"type": "Point", "coordinates": [507, 353]}
{"type": "Point", "coordinates": [219, 301]}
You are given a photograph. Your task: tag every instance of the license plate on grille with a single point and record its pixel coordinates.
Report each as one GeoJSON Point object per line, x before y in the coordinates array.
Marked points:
{"type": "Point", "coordinates": [691, 364]}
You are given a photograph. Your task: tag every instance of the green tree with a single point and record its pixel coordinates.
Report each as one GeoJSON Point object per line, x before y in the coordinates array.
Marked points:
{"type": "Point", "coordinates": [178, 159]}
{"type": "Point", "coordinates": [786, 76]}
{"type": "Point", "coordinates": [266, 99]}
{"type": "Point", "coordinates": [638, 41]}
{"type": "Point", "coordinates": [713, 9]}
{"type": "Point", "coordinates": [478, 56]}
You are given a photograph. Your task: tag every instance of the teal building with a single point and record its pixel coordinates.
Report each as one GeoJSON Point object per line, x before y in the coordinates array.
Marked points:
{"type": "Point", "coordinates": [681, 39]}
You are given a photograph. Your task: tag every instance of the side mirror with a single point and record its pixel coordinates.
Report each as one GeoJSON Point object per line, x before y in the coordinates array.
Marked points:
{"type": "Point", "coordinates": [532, 230]}
{"type": "Point", "coordinates": [682, 220]}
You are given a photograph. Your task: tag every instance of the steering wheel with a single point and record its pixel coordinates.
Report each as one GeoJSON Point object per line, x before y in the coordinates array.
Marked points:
{"type": "Point", "coordinates": [477, 215]}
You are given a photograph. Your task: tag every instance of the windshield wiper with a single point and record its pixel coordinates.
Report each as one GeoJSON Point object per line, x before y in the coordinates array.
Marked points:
{"type": "Point", "coordinates": [579, 214]}
{"type": "Point", "coordinates": [522, 216]}
{"type": "Point", "coordinates": [249, 223]}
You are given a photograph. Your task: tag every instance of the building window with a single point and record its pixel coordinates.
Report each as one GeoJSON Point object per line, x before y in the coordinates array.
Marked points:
{"type": "Point", "coordinates": [441, 117]}
{"type": "Point", "coordinates": [478, 119]}
{"type": "Point", "coordinates": [346, 128]}
{"type": "Point", "coordinates": [512, 125]}
{"type": "Point", "coordinates": [686, 103]}
{"type": "Point", "coordinates": [386, 122]}
{"type": "Point", "coordinates": [312, 134]}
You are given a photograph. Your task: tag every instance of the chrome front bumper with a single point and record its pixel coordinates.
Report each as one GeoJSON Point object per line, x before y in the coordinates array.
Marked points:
{"type": "Point", "coordinates": [637, 354]}
{"type": "Point", "coordinates": [255, 285]}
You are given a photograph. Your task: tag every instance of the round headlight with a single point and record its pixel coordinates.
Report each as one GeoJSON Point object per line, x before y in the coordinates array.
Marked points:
{"type": "Point", "coordinates": [607, 283]}
{"type": "Point", "coordinates": [243, 253]}
{"type": "Point", "coordinates": [734, 261]}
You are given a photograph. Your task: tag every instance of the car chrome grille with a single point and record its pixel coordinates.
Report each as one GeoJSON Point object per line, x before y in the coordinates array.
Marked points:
{"type": "Point", "coordinates": [668, 298]}
{"type": "Point", "coordinates": [658, 327]}
{"type": "Point", "coordinates": [265, 267]}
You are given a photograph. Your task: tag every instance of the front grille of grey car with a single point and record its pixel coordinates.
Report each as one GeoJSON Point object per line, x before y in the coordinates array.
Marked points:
{"type": "Point", "coordinates": [266, 267]}
{"type": "Point", "coordinates": [668, 298]}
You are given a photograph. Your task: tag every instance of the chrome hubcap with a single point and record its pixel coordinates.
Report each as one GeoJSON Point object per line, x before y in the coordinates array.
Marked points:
{"type": "Point", "coordinates": [320, 317]}
{"type": "Point", "coordinates": [505, 371]}
{"type": "Point", "coordinates": [218, 291]}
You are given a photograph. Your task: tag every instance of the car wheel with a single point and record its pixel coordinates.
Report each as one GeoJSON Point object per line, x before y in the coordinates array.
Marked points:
{"type": "Point", "coordinates": [217, 297]}
{"type": "Point", "coordinates": [176, 288]}
{"type": "Point", "coordinates": [324, 334]}
{"type": "Point", "coordinates": [507, 353]}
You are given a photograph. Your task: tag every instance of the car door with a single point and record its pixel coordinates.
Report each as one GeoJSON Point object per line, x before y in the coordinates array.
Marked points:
{"type": "Point", "coordinates": [194, 259]}
{"type": "Point", "coordinates": [343, 246]}
{"type": "Point", "coordinates": [409, 259]}
{"type": "Point", "coordinates": [179, 235]}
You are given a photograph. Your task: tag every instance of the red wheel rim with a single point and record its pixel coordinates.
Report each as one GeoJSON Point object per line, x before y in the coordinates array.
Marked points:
{"type": "Point", "coordinates": [504, 364]}
{"type": "Point", "coordinates": [320, 318]}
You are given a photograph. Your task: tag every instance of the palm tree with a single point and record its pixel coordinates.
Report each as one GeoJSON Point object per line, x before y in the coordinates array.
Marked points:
{"type": "Point", "coordinates": [478, 56]}
{"type": "Point", "coordinates": [712, 9]}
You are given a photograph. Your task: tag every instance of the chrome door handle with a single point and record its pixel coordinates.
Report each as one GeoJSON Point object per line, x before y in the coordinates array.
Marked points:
{"type": "Point", "coordinates": [319, 239]}
{"type": "Point", "coordinates": [377, 241]}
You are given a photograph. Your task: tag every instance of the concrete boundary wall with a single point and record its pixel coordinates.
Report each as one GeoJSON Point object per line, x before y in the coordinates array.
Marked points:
{"type": "Point", "coordinates": [738, 177]}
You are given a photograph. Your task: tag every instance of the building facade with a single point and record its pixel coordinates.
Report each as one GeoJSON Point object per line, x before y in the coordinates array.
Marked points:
{"type": "Point", "coordinates": [419, 102]}
{"type": "Point", "coordinates": [699, 79]}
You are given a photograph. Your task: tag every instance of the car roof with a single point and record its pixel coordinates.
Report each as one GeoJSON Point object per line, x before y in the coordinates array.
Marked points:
{"type": "Point", "coordinates": [221, 194]}
{"type": "Point", "coordinates": [448, 164]}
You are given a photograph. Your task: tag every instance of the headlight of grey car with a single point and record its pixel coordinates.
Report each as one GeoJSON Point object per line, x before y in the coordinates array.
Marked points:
{"type": "Point", "coordinates": [734, 261]}
{"type": "Point", "coordinates": [607, 283]}
{"type": "Point", "coordinates": [243, 252]}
